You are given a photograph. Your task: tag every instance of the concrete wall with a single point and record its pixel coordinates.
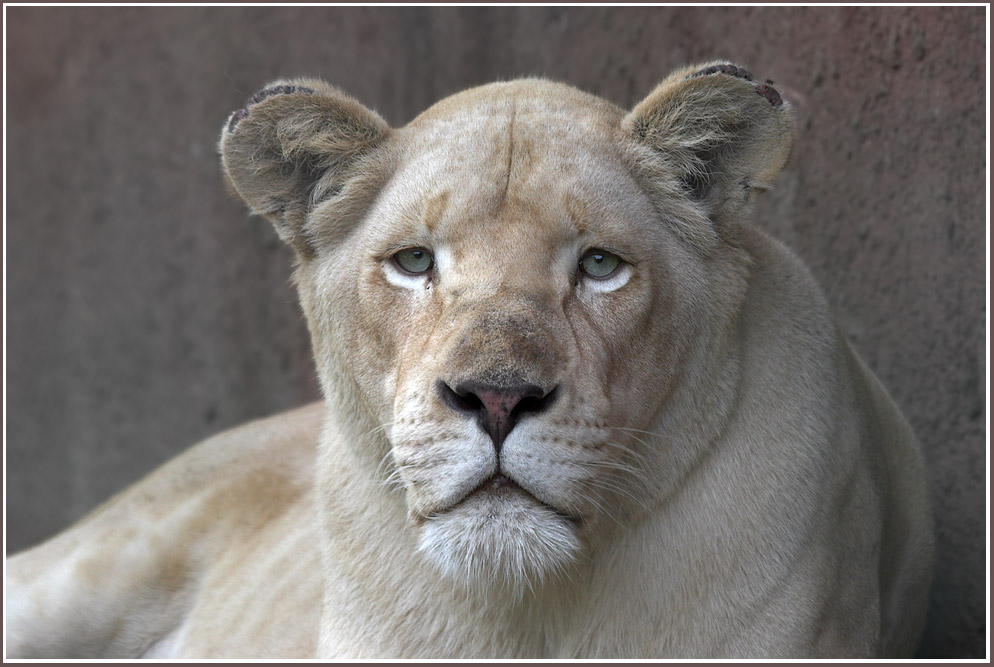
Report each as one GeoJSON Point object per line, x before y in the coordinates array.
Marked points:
{"type": "Point", "coordinates": [146, 311]}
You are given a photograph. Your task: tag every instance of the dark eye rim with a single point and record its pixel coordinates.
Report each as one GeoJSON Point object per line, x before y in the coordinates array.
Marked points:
{"type": "Point", "coordinates": [397, 265]}
{"type": "Point", "coordinates": [599, 251]}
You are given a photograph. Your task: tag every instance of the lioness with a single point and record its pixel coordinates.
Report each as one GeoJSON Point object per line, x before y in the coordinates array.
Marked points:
{"type": "Point", "coordinates": [574, 406]}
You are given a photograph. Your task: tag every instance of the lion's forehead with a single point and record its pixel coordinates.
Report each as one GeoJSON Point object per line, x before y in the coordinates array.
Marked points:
{"type": "Point", "coordinates": [511, 137]}
{"type": "Point", "coordinates": [523, 96]}
{"type": "Point", "coordinates": [515, 169]}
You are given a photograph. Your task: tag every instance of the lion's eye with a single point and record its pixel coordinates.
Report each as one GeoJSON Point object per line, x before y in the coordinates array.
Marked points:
{"type": "Point", "coordinates": [414, 260]}
{"type": "Point", "coordinates": [599, 263]}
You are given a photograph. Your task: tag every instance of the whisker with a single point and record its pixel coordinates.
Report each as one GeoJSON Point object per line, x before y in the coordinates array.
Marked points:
{"type": "Point", "coordinates": [382, 466]}
{"type": "Point", "coordinates": [382, 427]}
{"type": "Point", "coordinates": [394, 481]}
{"type": "Point", "coordinates": [604, 511]}
{"type": "Point", "coordinates": [620, 490]}
{"type": "Point", "coordinates": [619, 481]}
{"type": "Point", "coordinates": [637, 456]}
{"type": "Point", "coordinates": [636, 430]}
{"type": "Point", "coordinates": [613, 466]}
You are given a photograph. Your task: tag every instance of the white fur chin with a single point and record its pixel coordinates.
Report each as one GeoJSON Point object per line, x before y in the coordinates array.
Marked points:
{"type": "Point", "coordinates": [504, 540]}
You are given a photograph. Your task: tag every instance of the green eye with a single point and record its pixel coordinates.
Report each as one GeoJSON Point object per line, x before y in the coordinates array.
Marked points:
{"type": "Point", "coordinates": [599, 263]}
{"type": "Point", "coordinates": [414, 260]}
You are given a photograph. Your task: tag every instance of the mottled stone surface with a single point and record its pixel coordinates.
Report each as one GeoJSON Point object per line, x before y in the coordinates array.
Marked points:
{"type": "Point", "coordinates": [146, 311]}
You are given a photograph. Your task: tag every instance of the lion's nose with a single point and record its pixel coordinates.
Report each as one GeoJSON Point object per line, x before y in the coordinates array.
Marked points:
{"type": "Point", "coordinates": [496, 409]}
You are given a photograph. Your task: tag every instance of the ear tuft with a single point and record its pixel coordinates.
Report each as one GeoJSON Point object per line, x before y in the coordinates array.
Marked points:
{"type": "Point", "coordinates": [293, 144]}
{"type": "Point", "coordinates": [716, 133]}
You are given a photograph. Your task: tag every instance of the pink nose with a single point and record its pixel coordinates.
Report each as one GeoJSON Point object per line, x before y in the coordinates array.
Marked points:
{"type": "Point", "coordinates": [496, 409]}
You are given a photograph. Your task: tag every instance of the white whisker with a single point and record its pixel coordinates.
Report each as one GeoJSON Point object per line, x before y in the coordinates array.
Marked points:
{"type": "Point", "coordinates": [636, 430]}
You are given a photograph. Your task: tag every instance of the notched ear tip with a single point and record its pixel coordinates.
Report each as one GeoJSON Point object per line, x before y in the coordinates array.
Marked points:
{"type": "Point", "coordinates": [764, 89]}
{"type": "Point", "coordinates": [771, 94]}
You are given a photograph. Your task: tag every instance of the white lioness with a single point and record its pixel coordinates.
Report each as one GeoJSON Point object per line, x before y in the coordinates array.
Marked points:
{"type": "Point", "coordinates": [574, 407]}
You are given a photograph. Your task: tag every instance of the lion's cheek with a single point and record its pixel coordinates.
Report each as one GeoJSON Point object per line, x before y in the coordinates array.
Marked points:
{"type": "Point", "coordinates": [643, 352]}
{"type": "Point", "coordinates": [607, 372]}
{"type": "Point", "coordinates": [380, 326]}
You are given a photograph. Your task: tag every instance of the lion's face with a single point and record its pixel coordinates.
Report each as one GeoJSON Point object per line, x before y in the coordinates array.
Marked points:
{"type": "Point", "coordinates": [506, 341]}
{"type": "Point", "coordinates": [493, 289]}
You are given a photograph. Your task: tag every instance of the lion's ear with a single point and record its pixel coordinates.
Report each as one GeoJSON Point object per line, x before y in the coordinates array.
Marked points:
{"type": "Point", "coordinates": [718, 131]}
{"type": "Point", "coordinates": [294, 143]}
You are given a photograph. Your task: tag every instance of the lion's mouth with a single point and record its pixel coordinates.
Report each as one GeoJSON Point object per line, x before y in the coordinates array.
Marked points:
{"type": "Point", "coordinates": [500, 485]}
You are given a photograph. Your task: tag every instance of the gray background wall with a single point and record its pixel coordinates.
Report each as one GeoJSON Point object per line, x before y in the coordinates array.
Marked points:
{"type": "Point", "coordinates": [145, 310]}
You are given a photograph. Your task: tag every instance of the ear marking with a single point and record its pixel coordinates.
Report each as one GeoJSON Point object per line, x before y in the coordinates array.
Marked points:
{"type": "Point", "coordinates": [765, 89]}
{"type": "Point", "coordinates": [770, 93]}
{"type": "Point", "coordinates": [266, 93]}
{"type": "Point", "coordinates": [236, 118]}
{"type": "Point", "coordinates": [727, 68]}
{"type": "Point", "coordinates": [278, 90]}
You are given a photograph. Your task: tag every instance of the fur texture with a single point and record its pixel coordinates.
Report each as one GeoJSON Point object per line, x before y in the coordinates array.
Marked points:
{"type": "Point", "coordinates": [518, 458]}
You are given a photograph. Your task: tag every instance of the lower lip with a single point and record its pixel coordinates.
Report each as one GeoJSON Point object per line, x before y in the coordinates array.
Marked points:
{"type": "Point", "coordinates": [502, 484]}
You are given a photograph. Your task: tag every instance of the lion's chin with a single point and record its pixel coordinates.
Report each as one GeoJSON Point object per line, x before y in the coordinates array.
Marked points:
{"type": "Point", "coordinates": [503, 540]}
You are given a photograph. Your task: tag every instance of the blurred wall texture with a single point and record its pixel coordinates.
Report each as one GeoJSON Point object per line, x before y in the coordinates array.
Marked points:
{"type": "Point", "coordinates": [145, 309]}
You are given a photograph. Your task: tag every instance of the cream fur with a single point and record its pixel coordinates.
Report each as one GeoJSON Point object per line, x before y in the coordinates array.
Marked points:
{"type": "Point", "coordinates": [706, 471]}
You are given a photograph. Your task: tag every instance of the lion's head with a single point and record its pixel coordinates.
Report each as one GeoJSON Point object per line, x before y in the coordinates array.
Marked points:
{"type": "Point", "coordinates": [506, 295]}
